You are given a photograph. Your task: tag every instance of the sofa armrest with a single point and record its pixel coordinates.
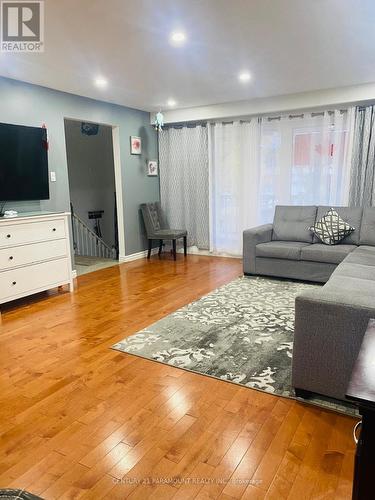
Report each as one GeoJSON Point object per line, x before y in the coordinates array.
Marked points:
{"type": "Point", "coordinates": [251, 238]}
{"type": "Point", "coordinates": [329, 328]}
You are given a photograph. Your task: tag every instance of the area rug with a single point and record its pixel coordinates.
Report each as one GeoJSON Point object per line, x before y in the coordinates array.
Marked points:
{"type": "Point", "coordinates": [241, 333]}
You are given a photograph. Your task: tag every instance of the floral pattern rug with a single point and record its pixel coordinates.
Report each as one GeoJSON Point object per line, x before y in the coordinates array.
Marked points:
{"type": "Point", "coordinates": [241, 333]}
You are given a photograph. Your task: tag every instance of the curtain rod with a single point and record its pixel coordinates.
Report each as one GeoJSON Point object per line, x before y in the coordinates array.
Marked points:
{"type": "Point", "coordinates": [204, 123]}
{"type": "Point", "coordinates": [363, 108]}
{"type": "Point", "coordinates": [187, 125]}
{"type": "Point", "coordinates": [313, 114]}
{"type": "Point", "coordinates": [230, 122]}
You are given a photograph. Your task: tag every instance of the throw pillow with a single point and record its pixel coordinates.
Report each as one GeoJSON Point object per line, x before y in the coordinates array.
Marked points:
{"type": "Point", "coordinates": [331, 229]}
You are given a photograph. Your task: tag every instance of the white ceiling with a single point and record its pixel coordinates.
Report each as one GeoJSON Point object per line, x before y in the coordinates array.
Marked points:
{"type": "Point", "coordinates": [288, 46]}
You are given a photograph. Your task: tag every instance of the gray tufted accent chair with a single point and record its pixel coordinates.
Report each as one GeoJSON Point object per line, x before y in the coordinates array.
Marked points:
{"type": "Point", "coordinates": [157, 228]}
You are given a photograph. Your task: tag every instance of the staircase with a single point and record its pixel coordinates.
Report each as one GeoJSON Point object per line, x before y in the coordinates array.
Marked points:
{"type": "Point", "coordinates": [87, 243]}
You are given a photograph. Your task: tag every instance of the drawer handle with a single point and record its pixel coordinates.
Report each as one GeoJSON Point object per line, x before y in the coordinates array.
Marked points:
{"type": "Point", "coordinates": [8, 235]}
{"type": "Point", "coordinates": [54, 229]}
{"type": "Point", "coordinates": [11, 257]}
{"type": "Point", "coordinates": [14, 283]}
{"type": "Point", "coordinates": [355, 431]}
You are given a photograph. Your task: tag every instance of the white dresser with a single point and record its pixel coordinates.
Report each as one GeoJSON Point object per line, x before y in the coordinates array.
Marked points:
{"type": "Point", "coordinates": [34, 254]}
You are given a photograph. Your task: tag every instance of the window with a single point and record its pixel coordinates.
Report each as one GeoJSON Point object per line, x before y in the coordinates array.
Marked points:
{"type": "Point", "coordinates": [302, 161]}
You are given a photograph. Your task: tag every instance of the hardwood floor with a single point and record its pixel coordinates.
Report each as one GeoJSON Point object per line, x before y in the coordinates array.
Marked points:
{"type": "Point", "coordinates": [79, 420]}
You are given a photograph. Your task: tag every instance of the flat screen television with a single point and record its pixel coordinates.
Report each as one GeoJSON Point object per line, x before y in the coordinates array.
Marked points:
{"type": "Point", "coordinates": [23, 163]}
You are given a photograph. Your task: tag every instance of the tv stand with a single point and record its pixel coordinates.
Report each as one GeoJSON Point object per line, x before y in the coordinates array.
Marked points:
{"type": "Point", "coordinates": [34, 254]}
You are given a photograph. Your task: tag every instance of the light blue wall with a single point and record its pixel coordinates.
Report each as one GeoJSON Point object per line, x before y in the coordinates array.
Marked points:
{"type": "Point", "coordinates": [25, 104]}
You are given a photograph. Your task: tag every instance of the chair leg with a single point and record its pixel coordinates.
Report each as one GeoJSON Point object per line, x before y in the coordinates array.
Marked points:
{"type": "Point", "coordinates": [160, 246]}
{"type": "Point", "coordinates": [185, 246]}
{"type": "Point", "coordinates": [149, 248]}
{"type": "Point", "coordinates": [174, 250]}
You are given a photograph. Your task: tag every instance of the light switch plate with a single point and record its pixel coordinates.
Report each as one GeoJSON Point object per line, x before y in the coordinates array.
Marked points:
{"type": "Point", "coordinates": [53, 176]}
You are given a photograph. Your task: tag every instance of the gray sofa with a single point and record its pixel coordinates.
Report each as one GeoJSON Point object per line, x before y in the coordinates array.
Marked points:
{"type": "Point", "coordinates": [329, 321]}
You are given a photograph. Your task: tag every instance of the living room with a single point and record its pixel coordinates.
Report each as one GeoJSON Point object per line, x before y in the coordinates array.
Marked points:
{"type": "Point", "coordinates": [187, 249]}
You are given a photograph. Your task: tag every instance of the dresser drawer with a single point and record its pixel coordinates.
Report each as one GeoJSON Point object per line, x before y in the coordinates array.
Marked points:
{"type": "Point", "coordinates": [28, 254]}
{"type": "Point", "coordinates": [19, 234]}
{"type": "Point", "coordinates": [19, 282]}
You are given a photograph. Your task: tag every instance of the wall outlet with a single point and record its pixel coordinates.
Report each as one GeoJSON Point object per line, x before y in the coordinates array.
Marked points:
{"type": "Point", "coordinates": [53, 176]}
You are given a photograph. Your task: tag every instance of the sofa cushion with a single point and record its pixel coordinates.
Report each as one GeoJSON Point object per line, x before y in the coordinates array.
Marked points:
{"type": "Point", "coordinates": [351, 270]}
{"type": "Point", "coordinates": [318, 252]}
{"type": "Point", "coordinates": [367, 234]}
{"type": "Point", "coordinates": [291, 223]}
{"type": "Point", "coordinates": [364, 255]}
{"type": "Point", "coordinates": [331, 229]}
{"type": "Point", "coordinates": [351, 215]}
{"type": "Point", "coordinates": [355, 289]}
{"type": "Point", "coordinates": [290, 250]}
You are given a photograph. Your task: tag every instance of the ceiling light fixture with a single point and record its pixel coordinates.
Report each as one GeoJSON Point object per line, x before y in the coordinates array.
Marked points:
{"type": "Point", "coordinates": [244, 76]}
{"type": "Point", "coordinates": [171, 103]}
{"type": "Point", "coordinates": [177, 38]}
{"type": "Point", "coordinates": [101, 82]}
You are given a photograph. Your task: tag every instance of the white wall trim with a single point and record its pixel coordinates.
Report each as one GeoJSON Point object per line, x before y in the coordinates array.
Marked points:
{"type": "Point", "coordinates": [136, 256]}
{"type": "Point", "coordinates": [191, 251]}
{"type": "Point", "coordinates": [343, 96]}
{"type": "Point", "coordinates": [119, 189]}
{"type": "Point", "coordinates": [197, 251]}
{"type": "Point", "coordinates": [74, 273]}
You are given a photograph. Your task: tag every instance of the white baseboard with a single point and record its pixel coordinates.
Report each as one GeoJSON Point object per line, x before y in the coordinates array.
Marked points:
{"type": "Point", "coordinates": [190, 250]}
{"type": "Point", "coordinates": [136, 256]}
{"type": "Point", "coordinates": [196, 251]}
{"type": "Point", "coordinates": [74, 273]}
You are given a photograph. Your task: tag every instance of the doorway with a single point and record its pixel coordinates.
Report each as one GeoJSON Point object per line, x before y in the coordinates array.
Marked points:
{"type": "Point", "coordinates": [91, 160]}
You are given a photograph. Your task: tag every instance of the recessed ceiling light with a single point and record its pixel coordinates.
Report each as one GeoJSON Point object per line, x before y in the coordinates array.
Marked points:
{"type": "Point", "coordinates": [101, 82]}
{"type": "Point", "coordinates": [244, 76]}
{"type": "Point", "coordinates": [177, 38]}
{"type": "Point", "coordinates": [171, 103]}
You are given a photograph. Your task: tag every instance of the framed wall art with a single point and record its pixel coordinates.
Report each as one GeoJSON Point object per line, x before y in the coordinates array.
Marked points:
{"type": "Point", "coordinates": [152, 168]}
{"type": "Point", "coordinates": [135, 145]}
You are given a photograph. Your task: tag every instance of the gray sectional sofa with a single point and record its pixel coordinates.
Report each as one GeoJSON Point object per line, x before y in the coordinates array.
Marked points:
{"type": "Point", "coordinates": [329, 321]}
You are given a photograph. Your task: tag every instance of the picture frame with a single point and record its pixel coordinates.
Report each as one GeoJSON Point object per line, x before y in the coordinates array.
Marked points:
{"type": "Point", "coordinates": [152, 168]}
{"type": "Point", "coordinates": [135, 145]}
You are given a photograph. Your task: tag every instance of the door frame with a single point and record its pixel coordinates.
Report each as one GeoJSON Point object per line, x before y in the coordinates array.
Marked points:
{"type": "Point", "coordinates": [119, 191]}
{"type": "Point", "coordinates": [118, 179]}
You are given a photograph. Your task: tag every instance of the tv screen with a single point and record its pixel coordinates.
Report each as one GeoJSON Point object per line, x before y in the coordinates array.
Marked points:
{"type": "Point", "coordinates": [23, 163]}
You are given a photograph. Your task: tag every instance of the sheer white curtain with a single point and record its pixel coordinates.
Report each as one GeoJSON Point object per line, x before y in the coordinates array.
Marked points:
{"type": "Point", "coordinates": [183, 154]}
{"type": "Point", "coordinates": [234, 179]}
{"type": "Point", "coordinates": [305, 160]}
{"type": "Point", "coordinates": [293, 160]}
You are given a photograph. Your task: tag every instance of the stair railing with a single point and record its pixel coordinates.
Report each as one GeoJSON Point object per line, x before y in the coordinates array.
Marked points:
{"type": "Point", "coordinates": [87, 243]}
